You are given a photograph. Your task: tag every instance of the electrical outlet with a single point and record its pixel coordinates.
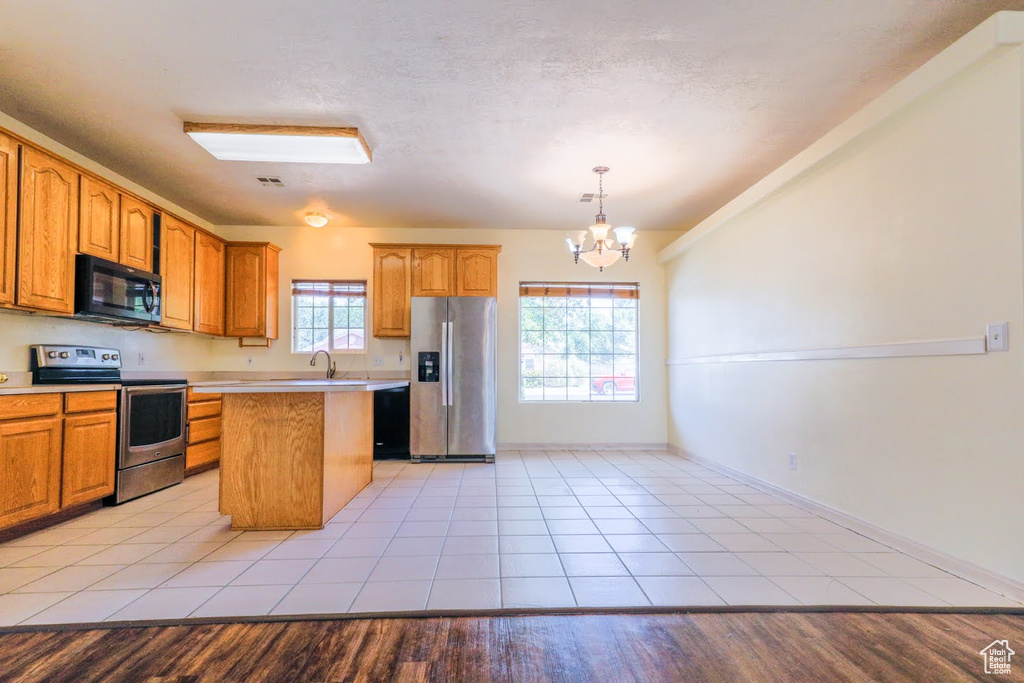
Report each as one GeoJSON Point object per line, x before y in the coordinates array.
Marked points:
{"type": "Point", "coordinates": [378, 360]}
{"type": "Point", "coordinates": [142, 359]}
{"type": "Point", "coordinates": [250, 361]}
{"type": "Point", "coordinates": [995, 337]}
{"type": "Point", "coordinates": [792, 461]}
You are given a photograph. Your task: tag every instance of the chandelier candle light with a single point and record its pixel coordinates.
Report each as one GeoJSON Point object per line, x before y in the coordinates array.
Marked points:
{"type": "Point", "coordinates": [605, 251]}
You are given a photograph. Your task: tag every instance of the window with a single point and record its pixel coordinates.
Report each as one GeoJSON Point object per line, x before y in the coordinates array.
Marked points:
{"type": "Point", "coordinates": [328, 315]}
{"type": "Point", "coordinates": [578, 341]}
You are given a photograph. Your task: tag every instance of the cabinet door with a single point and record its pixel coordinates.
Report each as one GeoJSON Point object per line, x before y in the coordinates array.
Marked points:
{"type": "Point", "coordinates": [209, 287]}
{"type": "Point", "coordinates": [136, 234]}
{"type": "Point", "coordinates": [47, 232]}
{"type": "Point", "coordinates": [476, 272]}
{"type": "Point", "coordinates": [29, 469]}
{"type": "Point", "coordinates": [177, 268]}
{"type": "Point", "coordinates": [8, 216]}
{"type": "Point", "coordinates": [246, 313]}
{"type": "Point", "coordinates": [98, 218]}
{"type": "Point", "coordinates": [433, 271]}
{"type": "Point", "coordinates": [90, 445]}
{"type": "Point", "coordinates": [391, 291]}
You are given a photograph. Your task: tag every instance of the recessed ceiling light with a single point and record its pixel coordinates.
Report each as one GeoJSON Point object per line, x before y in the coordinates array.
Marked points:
{"type": "Point", "coordinates": [316, 220]}
{"type": "Point", "coordinates": [296, 144]}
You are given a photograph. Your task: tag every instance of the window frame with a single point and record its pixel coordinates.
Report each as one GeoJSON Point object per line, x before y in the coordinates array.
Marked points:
{"type": "Point", "coordinates": [590, 286]}
{"type": "Point", "coordinates": [330, 296]}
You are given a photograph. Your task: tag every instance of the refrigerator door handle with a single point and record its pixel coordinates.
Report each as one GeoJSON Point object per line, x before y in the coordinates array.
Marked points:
{"type": "Point", "coordinates": [443, 370]}
{"type": "Point", "coordinates": [448, 364]}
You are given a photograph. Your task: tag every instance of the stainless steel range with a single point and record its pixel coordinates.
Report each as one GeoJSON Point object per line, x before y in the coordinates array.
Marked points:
{"type": "Point", "coordinates": [150, 421]}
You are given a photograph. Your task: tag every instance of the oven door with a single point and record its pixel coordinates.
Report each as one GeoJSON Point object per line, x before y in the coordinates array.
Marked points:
{"type": "Point", "coordinates": [152, 424]}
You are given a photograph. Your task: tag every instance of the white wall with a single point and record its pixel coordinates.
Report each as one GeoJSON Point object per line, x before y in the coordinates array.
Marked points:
{"type": "Point", "coordinates": [344, 253]}
{"type": "Point", "coordinates": [908, 230]}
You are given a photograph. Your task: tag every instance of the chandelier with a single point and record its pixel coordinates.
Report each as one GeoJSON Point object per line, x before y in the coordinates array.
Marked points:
{"type": "Point", "coordinates": [604, 251]}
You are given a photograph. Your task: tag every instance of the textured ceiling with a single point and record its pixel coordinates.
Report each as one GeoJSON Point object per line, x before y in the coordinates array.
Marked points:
{"type": "Point", "coordinates": [479, 114]}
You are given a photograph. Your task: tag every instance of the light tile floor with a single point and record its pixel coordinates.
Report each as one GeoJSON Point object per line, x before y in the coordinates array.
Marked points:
{"type": "Point", "coordinates": [535, 529]}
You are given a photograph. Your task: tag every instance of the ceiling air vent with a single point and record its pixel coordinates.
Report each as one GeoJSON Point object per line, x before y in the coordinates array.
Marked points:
{"type": "Point", "coordinates": [587, 197]}
{"type": "Point", "coordinates": [270, 182]}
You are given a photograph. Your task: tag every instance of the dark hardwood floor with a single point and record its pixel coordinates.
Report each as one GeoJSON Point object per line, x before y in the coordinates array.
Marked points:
{"type": "Point", "coordinates": [764, 646]}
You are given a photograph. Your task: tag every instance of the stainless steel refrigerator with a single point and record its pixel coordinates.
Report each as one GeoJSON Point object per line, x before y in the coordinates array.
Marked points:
{"type": "Point", "coordinates": [453, 398]}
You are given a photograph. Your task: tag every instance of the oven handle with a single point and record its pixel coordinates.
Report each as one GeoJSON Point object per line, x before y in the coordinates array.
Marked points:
{"type": "Point", "coordinates": [149, 297]}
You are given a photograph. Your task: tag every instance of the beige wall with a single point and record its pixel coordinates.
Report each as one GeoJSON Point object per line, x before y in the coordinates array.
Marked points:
{"type": "Point", "coordinates": [908, 231]}
{"type": "Point", "coordinates": [172, 352]}
{"type": "Point", "coordinates": [344, 253]}
{"type": "Point", "coordinates": [162, 352]}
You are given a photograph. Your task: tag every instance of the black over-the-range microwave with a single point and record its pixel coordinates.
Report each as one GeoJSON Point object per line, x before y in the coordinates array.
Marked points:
{"type": "Point", "coordinates": [113, 292]}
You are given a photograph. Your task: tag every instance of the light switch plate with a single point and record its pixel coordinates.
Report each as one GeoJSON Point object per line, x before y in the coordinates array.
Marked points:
{"type": "Point", "coordinates": [996, 337]}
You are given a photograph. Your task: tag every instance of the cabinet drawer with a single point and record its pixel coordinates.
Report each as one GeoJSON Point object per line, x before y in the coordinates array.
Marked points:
{"type": "Point", "coordinates": [203, 409]}
{"type": "Point", "coordinates": [192, 396]}
{"type": "Point", "coordinates": [201, 454]}
{"type": "Point", "coordinates": [29, 405]}
{"type": "Point", "coordinates": [203, 430]}
{"type": "Point", "coordinates": [90, 401]}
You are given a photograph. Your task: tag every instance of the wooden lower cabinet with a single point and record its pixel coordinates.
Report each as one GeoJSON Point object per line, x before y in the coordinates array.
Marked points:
{"type": "Point", "coordinates": [202, 454]}
{"type": "Point", "coordinates": [30, 457]}
{"type": "Point", "coordinates": [90, 447]}
{"type": "Point", "coordinates": [204, 430]}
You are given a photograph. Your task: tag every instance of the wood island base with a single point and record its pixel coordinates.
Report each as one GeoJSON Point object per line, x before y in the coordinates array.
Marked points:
{"type": "Point", "coordinates": [293, 460]}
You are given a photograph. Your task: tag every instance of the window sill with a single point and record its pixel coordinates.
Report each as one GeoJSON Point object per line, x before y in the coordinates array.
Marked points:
{"type": "Point", "coordinates": [342, 352]}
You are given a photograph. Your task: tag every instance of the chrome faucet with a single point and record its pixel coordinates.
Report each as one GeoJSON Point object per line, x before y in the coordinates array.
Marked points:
{"type": "Point", "coordinates": [331, 365]}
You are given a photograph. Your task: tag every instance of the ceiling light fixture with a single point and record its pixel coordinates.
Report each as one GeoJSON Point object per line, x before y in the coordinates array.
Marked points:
{"type": "Point", "coordinates": [316, 220]}
{"type": "Point", "coordinates": [604, 252]}
{"type": "Point", "coordinates": [291, 144]}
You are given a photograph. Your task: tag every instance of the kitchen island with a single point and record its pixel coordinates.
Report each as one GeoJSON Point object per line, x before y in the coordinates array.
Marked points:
{"type": "Point", "coordinates": [293, 452]}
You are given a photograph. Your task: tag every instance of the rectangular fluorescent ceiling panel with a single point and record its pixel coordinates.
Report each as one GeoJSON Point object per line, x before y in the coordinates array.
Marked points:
{"type": "Point", "coordinates": [294, 144]}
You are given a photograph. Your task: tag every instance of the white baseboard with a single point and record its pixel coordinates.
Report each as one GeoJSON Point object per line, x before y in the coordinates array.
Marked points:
{"type": "Point", "coordinates": [986, 578]}
{"type": "Point", "coordinates": [604, 446]}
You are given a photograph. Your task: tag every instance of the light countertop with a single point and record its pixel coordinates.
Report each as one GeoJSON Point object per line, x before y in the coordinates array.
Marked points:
{"type": "Point", "coordinates": [283, 386]}
{"type": "Point", "coordinates": [55, 388]}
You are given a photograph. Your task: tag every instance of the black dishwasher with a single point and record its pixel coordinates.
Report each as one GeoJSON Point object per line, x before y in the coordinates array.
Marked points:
{"type": "Point", "coordinates": [391, 424]}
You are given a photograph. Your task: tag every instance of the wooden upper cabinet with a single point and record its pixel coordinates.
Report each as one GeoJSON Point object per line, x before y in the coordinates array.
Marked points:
{"type": "Point", "coordinates": [433, 271]}
{"type": "Point", "coordinates": [8, 217]}
{"type": "Point", "coordinates": [136, 234]}
{"type": "Point", "coordinates": [252, 290]}
{"type": "Point", "coordinates": [209, 284]}
{"type": "Point", "coordinates": [392, 280]}
{"type": "Point", "coordinates": [90, 447]}
{"type": "Point", "coordinates": [476, 271]}
{"type": "Point", "coordinates": [177, 270]}
{"type": "Point", "coordinates": [99, 218]}
{"type": "Point", "coordinates": [47, 233]}
{"type": "Point", "coordinates": [30, 457]}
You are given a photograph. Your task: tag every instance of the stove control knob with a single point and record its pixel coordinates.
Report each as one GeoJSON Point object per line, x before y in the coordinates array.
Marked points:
{"type": "Point", "coordinates": [115, 357]}
{"type": "Point", "coordinates": [51, 354]}
{"type": "Point", "coordinates": [65, 354]}
{"type": "Point", "coordinates": [106, 356]}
